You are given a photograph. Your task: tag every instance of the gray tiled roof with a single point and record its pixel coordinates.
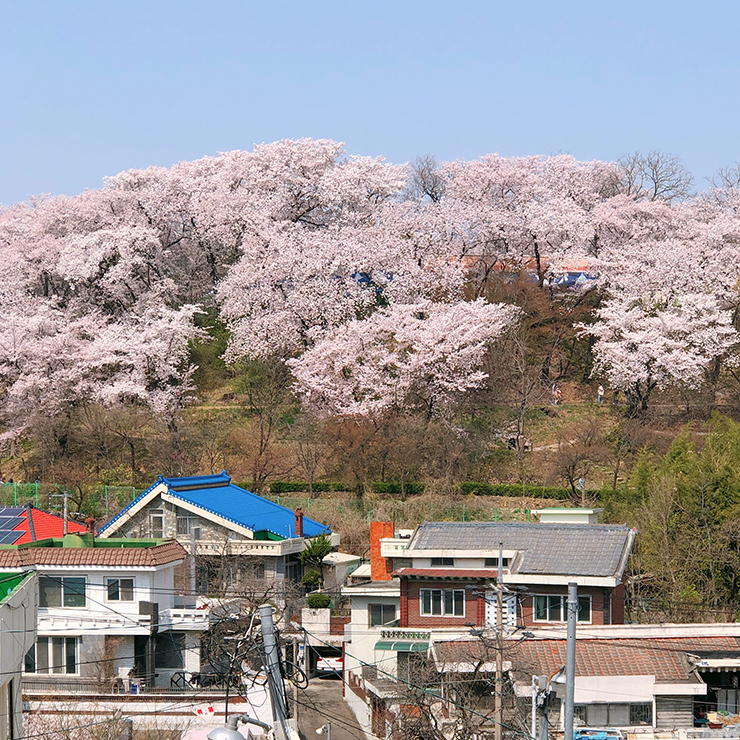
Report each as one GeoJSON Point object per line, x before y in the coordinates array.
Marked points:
{"type": "Point", "coordinates": [548, 549]}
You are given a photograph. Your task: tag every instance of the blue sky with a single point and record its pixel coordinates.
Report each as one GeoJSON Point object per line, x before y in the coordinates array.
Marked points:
{"type": "Point", "coordinates": [88, 89]}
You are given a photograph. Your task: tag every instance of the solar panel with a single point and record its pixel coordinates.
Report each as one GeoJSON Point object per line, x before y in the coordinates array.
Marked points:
{"type": "Point", "coordinates": [8, 522]}
{"type": "Point", "coordinates": [9, 538]}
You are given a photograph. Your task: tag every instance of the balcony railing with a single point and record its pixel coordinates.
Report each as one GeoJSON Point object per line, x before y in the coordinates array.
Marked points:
{"type": "Point", "coordinates": [62, 686]}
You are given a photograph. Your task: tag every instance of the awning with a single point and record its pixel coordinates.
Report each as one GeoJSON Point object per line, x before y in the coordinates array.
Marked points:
{"type": "Point", "coordinates": [402, 646]}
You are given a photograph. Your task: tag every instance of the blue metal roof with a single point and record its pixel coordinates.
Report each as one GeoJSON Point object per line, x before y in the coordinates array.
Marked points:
{"type": "Point", "coordinates": [218, 495]}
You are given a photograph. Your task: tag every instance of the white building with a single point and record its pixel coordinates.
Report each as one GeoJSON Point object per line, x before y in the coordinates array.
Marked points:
{"type": "Point", "coordinates": [107, 613]}
{"type": "Point", "coordinates": [18, 619]}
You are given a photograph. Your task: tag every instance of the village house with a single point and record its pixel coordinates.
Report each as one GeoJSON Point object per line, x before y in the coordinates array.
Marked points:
{"type": "Point", "coordinates": [237, 537]}
{"type": "Point", "coordinates": [438, 583]}
{"type": "Point", "coordinates": [107, 609]}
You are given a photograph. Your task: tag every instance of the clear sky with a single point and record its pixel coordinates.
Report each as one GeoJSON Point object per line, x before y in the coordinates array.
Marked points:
{"type": "Point", "coordinates": [88, 89]}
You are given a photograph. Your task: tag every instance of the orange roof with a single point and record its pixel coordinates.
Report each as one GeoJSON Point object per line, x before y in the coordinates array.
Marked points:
{"type": "Point", "coordinates": [45, 525]}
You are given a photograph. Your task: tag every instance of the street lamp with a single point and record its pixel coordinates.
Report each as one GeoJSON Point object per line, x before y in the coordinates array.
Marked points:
{"type": "Point", "coordinates": [325, 729]}
{"type": "Point", "coordinates": [229, 732]}
{"type": "Point", "coordinates": [542, 687]}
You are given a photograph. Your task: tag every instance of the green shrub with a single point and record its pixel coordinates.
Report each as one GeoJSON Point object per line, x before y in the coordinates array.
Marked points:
{"type": "Point", "coordinates": [286, 486]}
{"type": "Point", "coordinates": [530, 490]}
{"type": "Point", "coordinates": [318, 601]}
{"type": "Point", "coordinates": [410, 488]}
{"type": "Point", "coordinates": [311, 580]}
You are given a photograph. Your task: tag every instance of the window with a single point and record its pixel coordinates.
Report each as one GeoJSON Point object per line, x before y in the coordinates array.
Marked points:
{"type": "Point", "coordinates": [493, 562]}
{"type": "Point", "coordinates": [436, 602]}
{"type": "Point", "coordinates": [442, 562]}
{"type": "Point", "coordinates": [156, 523]}
{"type": "Point", "coordinates": [62, 591]}
{"type": "Point", "coordinates": [614, 715]}
{"type": "Point", "coordinates": [381, 614]}
{"type": "Point", "coordinates": [120, 589]}
{"type": "Point", "coordinates": [555, 609]}
{"type": "Point", "coordinates": [641, 714]}
{"type": "Point", "coordinates": [52, 655]}
{"type": "Point", "coordinates": [187, 524]}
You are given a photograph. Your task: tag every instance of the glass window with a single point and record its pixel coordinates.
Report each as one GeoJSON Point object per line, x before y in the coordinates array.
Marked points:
{"type": "Point", "coordinates": [74, 591]}
{"type": "Point", "coordinates": [61, 650]}
{"type": "Point", "coordinates": [442, 562]}
{"type": "Point", "coordinates": [381, 614]}
{"type": "Point", "coordinates": [42, 655]}
{"type": "Point", "coordinates": [156, 523]}
{"type": "Point", "coordinates": [70, 655]}
{"type": "Point", "coordinates": [459, 605]}
{"type": "Point", "coordinates": [641, 714]}
{"type": "Point", "coordinates": [62, 591]}
{"type": "Point", "coordinates": [555, 609]}
{"type": "Point", "coordinates": [50, 591]}
{"type": "Point", "coordinates": [437, 602]}
{"type": "Point", "coordinates": [584, 609]}
{"type": "Point", "coordinates": [540, 608]}
{"type": "Point", "coordinates": [426, 602]}
{"type": "Point", "coordinates": [120, 589]}
{"type": "Point", "coordinates": [57, 655]}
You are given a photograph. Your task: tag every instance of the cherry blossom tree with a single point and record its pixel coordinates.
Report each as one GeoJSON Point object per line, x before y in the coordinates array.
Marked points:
{"type": "Point", "coordinates": [651, 342]}
{"type": "Point", "coordinates": [424, 355]}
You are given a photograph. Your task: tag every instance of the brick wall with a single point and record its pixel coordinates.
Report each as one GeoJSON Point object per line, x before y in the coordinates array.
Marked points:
{"type": "Point", "coordinates": [474, 604]}
{"type": "Point", "coordinates": [380, 567]}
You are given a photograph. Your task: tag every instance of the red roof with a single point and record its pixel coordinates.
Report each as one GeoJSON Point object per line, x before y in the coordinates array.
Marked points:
{"type": "Point", "coordinates": [666, 658]}
{"type": "Point", "coordinates": [44, 525]}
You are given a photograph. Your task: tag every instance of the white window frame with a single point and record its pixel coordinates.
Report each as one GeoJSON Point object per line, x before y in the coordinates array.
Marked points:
{"type": "Point", "coordinates": [108, 582]}
{"type": "Point", "coordinates": [59, 581]}
{"type": "Point", "coordinates": [49, 649]}
{"type": "Point", "coordinates": [382, 608]}
{"type": "Point", "coordinates": [156, 514]}
{"type": "Point", "coordinates": [561, 608]}
{"type": "Point", "coordinates": [447, 602]}
{"type": "Point", "coordinates": [191, 522]}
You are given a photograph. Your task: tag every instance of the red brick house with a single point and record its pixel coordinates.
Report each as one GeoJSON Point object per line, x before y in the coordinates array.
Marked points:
{"type": "Point", "coordinates": [447, 573]}
{"type": "Point", "coordinates": [437, 583]}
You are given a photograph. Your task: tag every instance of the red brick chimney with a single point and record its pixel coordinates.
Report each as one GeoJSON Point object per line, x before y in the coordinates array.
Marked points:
{"type": "Point", "coordinates": [380, 567]}
{"type": "Point", "coordinates": [299, 522]}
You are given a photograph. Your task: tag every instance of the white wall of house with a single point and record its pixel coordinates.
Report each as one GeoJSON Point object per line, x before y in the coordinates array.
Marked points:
{"type": "Point", "coordinates": [111, 609]}
{"type": "Point", "coordinates": [360, 649]}
{"type": "Point", "coordinates": [18, 619]}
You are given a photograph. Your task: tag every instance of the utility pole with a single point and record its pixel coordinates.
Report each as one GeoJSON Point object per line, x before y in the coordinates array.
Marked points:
{"type": "Point", "coordinates": [272, 667]}
{"type": "Point", "coordinates": [295, 683]}
{"type": "Point", "coordinates": [66, 512]}
{"type": "Point", "coordinates": [192, 563]}
{"type": "Point", "coordinates": [570, 660]}
{"type": "Point", "coordinates": [499, 684]}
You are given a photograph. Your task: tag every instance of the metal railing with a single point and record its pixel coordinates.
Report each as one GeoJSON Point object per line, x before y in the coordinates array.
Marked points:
{"type": "Point", "coordinates": [110, 687]}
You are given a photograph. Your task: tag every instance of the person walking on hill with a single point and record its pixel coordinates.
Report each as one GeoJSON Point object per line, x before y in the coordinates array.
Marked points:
{"type": "Point", "coordinates": [600, 394]}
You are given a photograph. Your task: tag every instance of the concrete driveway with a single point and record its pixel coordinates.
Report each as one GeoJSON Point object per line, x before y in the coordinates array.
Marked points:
{"type": "Point", "coordinates": [323, 702]}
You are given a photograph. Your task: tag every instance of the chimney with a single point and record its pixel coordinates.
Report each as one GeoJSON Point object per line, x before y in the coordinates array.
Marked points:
{"type": "Point", "coordinates": [299, 522]}
{"type": "Point", "coordinates": [380, 567]}
{"type": "Point", "coordinates": [29, 515]}
{"type": "Point", "coordinates": [90, 524]}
